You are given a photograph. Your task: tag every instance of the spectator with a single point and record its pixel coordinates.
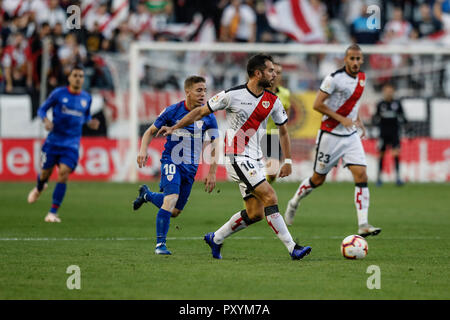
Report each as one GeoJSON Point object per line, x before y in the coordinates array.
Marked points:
{"type": "Point", "coordinates": [359, 31]}
{"type": "Point", "coordinates": [94, 39]}
{"type": "Point", "coordinates": [238, 23]}
{"type": "Point", "coordinates": [14, 62]}
{"type": "Point", "coordinates": [52, 14]}
{"type": "Point", "coordinates": [71, 53]}
{"type": "Point", "coordinates": [123, 38]}
{"type": "Point", "coordinates": [100, 16]}
{"type": "Point", "coordinates": [140, 22]}
{"type": "Point", "coordinates": [35, 50]}
{"type": "Point", "coordinates": [58, 35]}
{"type": "Point", "coordinates": [428, 24]}
{"type": "Point", "coordinates": [397, 29]}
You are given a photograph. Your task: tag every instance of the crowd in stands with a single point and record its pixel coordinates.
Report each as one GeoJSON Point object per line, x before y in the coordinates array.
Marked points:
{"type": "Point", "coordinates": [111, 25]}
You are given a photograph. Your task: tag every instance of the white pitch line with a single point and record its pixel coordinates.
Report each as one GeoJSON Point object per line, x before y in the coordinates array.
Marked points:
{"type": "Point", "coordinates": [201, 238]}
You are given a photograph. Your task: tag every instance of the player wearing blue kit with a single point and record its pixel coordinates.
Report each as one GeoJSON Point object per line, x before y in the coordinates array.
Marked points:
{"type": "Point", "coordinates": [179, 160]}
{"type": "Point", "coordinates": [71, 109]}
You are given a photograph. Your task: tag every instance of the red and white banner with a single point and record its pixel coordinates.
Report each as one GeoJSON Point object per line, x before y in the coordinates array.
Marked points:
{"type": "Point", "coordinates": [101, 159]}
{"type": "Point", "coordinates": [296, 18]}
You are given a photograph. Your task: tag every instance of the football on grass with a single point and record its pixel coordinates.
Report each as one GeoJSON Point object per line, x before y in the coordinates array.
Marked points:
{"type": "Point", "coordinates": [354, 247]}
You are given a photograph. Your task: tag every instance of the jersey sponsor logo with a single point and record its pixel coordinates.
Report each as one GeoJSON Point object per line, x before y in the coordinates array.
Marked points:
{"type": "Point", "coordinates": [75, 113]}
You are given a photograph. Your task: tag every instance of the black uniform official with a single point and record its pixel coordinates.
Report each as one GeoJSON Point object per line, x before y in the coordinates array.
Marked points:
{"type": "Point", "coordinates": [389, 118]}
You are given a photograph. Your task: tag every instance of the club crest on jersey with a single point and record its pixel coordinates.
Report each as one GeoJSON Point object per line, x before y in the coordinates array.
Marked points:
{"type": "Point", "coordinates": [199, 124]}
{"type": "Point", "coordinates": [266, 104]}
{"type": "Point", "coordinates": [84, 103]}
{"type": "Point", "coordinates": [362, 83]}
{"type": "Point", "coordinates": [170, 177]}
{"type": "Point", "coordinates": [65, 100]}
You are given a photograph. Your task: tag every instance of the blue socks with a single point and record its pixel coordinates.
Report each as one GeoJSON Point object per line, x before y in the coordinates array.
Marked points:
{"type": "Point", "coordinates": [156, 198]}
{"type": "Point", "coordinates": [58, 196]}
{"type": "Point", "coordinates": [162, 225]}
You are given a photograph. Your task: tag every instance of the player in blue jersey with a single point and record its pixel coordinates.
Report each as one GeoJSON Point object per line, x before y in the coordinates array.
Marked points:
{"type": "Point", "coordinates": [71, 109]}
{"type": "Point", "coordinates": [179, 160]}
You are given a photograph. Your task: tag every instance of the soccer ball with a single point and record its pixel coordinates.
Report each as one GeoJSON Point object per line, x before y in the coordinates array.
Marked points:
{"type": "Point", "coordinates": [354, 247]}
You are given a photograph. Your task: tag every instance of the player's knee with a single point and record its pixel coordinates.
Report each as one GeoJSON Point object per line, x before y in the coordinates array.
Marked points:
{"type": "Point", "coordinates": [169, 202]}
{"type": "Point", "coordinates": [270, 198]}
{"type": "Point", "coordinates": [361, 177]}
{"type": "Point", "coordinates": [175, 213]}
{"type": "Point", "coordinates": [317, 180]}
{"type": "Point", "coordinates": [63, 177]}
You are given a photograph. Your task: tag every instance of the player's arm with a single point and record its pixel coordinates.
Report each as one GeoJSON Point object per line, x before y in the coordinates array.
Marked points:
{"type": "Point", "coordinates": [145, 141]}
{"type": "Point", "coordinates": [188, 119]}
{"type": "Point", "coordinates": [285, 142]}
{"type": "Point", "coordinates": [320, 106]}
{"type": "Point", "coordinates": [210, 181]}
{"type": "Point", "coordinates": [42, 111]}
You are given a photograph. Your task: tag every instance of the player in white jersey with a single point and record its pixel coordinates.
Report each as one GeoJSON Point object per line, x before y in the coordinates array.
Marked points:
{"type": "Point", "coordinates": [338, 101]}
{"type": "Point", "coordinates": [247, 108]}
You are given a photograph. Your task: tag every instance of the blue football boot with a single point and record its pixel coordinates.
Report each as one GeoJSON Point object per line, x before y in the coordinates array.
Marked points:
{"type": "Point", "coordinates": [300, 252]}
{"type": "Point", "coordinates": [215, 248]}
{"type": "Point", "coordinates": [162, 249]}
{"type": "Point", "coordinates": [140, 200]}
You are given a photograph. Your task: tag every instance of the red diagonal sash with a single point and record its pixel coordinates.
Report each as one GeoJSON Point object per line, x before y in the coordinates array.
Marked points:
{"type": "Point", "coordinates": [249, 128]}
{"type": "Point", "coordinates": [347, 107]}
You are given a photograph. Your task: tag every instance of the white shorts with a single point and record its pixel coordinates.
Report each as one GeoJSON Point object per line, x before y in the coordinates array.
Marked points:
{"type": "Point", "coordinates": [330, 148]}
{"type": "Point", "coordinates": [248, 172]}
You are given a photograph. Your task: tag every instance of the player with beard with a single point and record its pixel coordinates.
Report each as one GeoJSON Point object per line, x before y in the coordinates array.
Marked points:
{"type": "Point", "coordinates": [247, 108]}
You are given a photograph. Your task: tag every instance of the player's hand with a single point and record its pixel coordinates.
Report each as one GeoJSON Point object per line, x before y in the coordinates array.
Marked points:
{"type": "Point", "coordinates": [94, 124]}
{"type": "Point", "coordinates": [210, 183]}
{"type": "Point", "coordinates": [347, 122]}
{"type": "Point", "coordinates": [285, 170]}
{"type": "Point", "coordinates": [361, 126]}
{"type": "Point", "coordinates": [142, 159]}
{"type": "Point", "coordinates": [164, 131]}
{"type": "Point", "coordinates": [48, 125]}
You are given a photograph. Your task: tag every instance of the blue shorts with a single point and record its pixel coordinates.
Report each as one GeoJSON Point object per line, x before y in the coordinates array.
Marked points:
{"type": "Point", "coordinates": [52, 155]}
{"type": "Point", "coordinates": [176, 180]}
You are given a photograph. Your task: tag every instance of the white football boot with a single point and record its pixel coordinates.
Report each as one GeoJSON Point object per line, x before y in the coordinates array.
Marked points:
{"type": "Point", "coordinates": [289, 215]}
{"type": "Point", "coordinates": [34, 194]}
{"type": "Point", "coordinates": [51, 217]}
{"type": "Point", "coordinates": [366, 230]}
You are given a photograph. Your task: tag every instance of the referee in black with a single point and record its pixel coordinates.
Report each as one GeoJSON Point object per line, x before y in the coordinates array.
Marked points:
{"type": "Point", "coordinates": [389, 118]}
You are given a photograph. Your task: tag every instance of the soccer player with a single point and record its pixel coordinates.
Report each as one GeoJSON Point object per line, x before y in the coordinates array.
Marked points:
{"type": "Point", "coordinates": [71, 109]}
{"type": "Point", "coordinates": [247, 107]}
{"type": "Point", "coordinates": [338, 101]}
{"type": "Point", "coordinates": [271, 138]}
{"type": "Point", "coordinates": [389, 118]}
{"type": "Point", "coordinates": [180, 158]}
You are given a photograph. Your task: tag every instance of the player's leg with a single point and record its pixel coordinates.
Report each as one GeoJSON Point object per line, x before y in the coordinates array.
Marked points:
{"type": "Point", "coordinates": [396, 155]}
{"type": "Point", "coordinates": [362, 201]}
{"type": "Point", "coordinates": [59, 192]}
{"type": "Point", "coordinates": [382, 151]}
{"type": "Point", "coordinates": [163, 219]}
{"type": "Point", "coordinates": [146, 195]}
{"type": "Point", "coordinates": [266, 194]}
{"type": "Point", "coordinates": [328, 152]}
{"type": "Point", "coordinates": [48, 160]}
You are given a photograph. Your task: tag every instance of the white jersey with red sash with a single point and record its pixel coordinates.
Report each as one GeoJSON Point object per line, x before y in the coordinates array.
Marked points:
{"type": "Point", "coordinates": [247, 118]}
{"type": "Point", "coordinates": [345, 92]}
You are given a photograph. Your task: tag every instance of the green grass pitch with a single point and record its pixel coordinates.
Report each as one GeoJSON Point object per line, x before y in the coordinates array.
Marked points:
{"type": "Point", "coordinates": [113, 246]}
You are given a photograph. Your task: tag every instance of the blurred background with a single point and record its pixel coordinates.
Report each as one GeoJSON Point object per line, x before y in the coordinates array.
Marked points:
{"type": "Point", "coordinates": [42, 39]}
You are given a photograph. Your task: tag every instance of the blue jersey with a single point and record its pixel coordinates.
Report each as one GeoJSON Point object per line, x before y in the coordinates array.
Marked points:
{"type": "Point", "coordinates": [184, 146]}
{"type": "Point", "coordinates": [70, 112]}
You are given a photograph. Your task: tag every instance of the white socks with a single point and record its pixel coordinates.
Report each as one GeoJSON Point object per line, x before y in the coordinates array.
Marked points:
{"type": "Point", "coordinates": [303, 190]}
{"type": "Point", "coordinates": [276, 222]}
{"type": "Point", "coordinates": [233, 225]}
{"type": "Point", "coordinates": [362, 202]}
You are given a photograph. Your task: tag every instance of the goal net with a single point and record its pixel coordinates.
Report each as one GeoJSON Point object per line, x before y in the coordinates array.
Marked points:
{"type": "Point", "coordinates": [151, 78]}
